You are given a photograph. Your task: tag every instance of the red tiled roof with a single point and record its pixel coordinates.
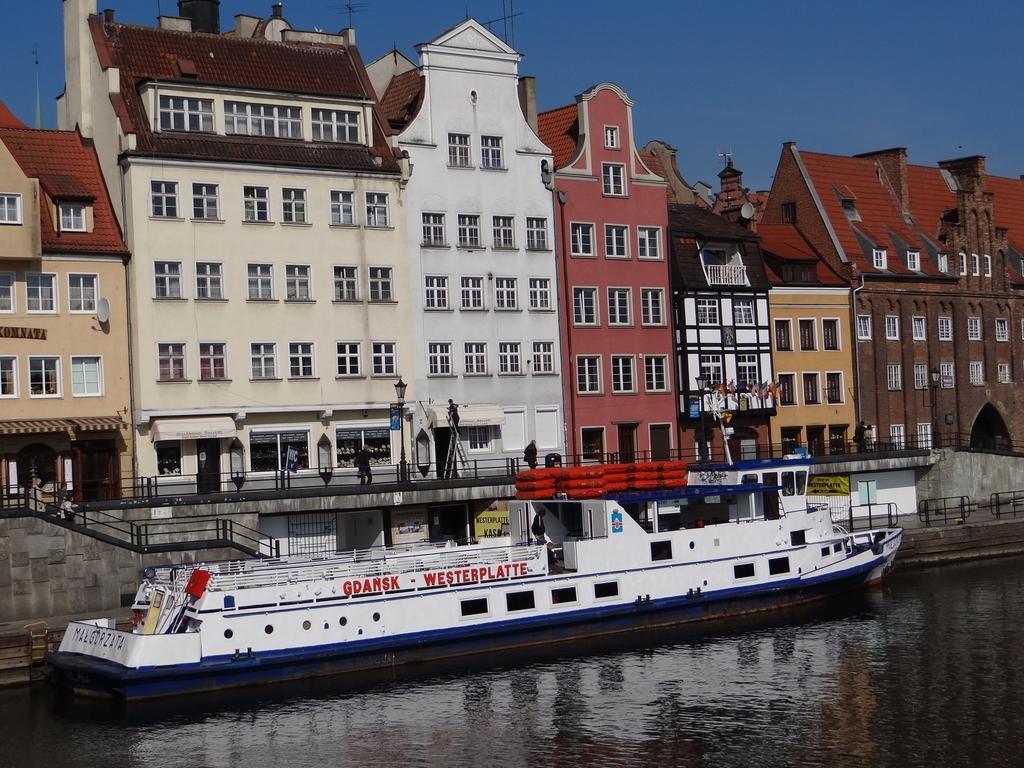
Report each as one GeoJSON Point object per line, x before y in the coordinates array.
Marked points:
{"type": "Point", "coordinates": [881, 221]}
{"type": "Point", "coordinates": [651, 161]}
{"type": "Point", "coordinates": [785, 243]}
{"type": "Point", "coordinates": [559, 129]}
{"type": "Point", "coordinates": [144, 54]}
{"type": "Point", "coordinates": [402, 99]}
{"type": "Point", "coordinates": [8, 118]}
{"type": "Point", "coordinates": [67, 169]}
{"type": "Point", "coordinates": [1008, 207]}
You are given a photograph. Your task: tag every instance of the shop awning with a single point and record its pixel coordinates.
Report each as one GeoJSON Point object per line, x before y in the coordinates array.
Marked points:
{"type": "Point", "coordinates": [99, 423]}
{"type": "Point", "coordinates": [192, 429]}
{"type": "Point", "coordinates": [35, 426]}
{"type": "Point", "coordinates": [470, 415]}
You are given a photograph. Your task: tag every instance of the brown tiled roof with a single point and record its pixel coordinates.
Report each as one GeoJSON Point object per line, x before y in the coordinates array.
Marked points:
{"type": "Point", "coordinates": [651, 161]}
{"type": "Point", "coordinates": [784, 243]}
{"type": "Point", "coordinates": [8, 119]}
{"type": "Point", "coordinates": [402, 99]}
{"type": "Point", "coordinates": [692, 225]}
{"type": "Point", "coordinates": [560, 130]}
{"type": "Point", "coordinates": [881, 221]}
{"type": "Point", "coordinates": [145, 54]}
{"type": "Point", "coordinates": [67, 169]}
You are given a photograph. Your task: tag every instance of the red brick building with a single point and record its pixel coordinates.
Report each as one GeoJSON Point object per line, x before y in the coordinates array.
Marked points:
{"type": "Point", "coordinates": [934, 255]}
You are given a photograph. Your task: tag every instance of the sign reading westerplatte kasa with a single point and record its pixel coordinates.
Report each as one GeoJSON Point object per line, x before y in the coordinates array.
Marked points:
{"type": "Point", "coordinates": [829, 485]}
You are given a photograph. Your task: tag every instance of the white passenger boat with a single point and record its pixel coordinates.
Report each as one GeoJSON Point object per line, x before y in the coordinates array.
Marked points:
{"type": "Point", "coordinates": [735, 539]}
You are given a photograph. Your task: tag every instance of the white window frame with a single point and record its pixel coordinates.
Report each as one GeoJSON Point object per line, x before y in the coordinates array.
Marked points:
{"type": "Point", "coordinates": [99, 375]}
{"type": "Point", "coordinates": [588, 379]}
{"type": "Point", "coordinates": [1002, 329]}
{"type": "Point", "coordinates": [652, 307]}
{"type": "Point", "coordinates": [471, 293]}
{"type": "Point", "coordinates": [579, 295]}
{"type": "Point", "coordinates": [892, 327]}
{"type": "Point", "coordinates": [204, 202]}
{"type": "Point", "coordinates": [615, 296]}
{"type": "Point", "coordinates": [6, 200]}
{"type": "Point", "coordinates": [183, 113]}
{"type": "Point", "coordinates": [943, 259]}
{"type": "Point", "coordinates": [914, 261]}
{"type": "Point", "coordinates": [621, 367]}
{"type": "Point", "coordinates": [842, 388]}
{"type": "Point", "coordinates": [898, 436]}
{"type": "Point", "coordinates": [209, 282]}
{"type": "Point", "coordinates": [655, 370]}
{"type": "Point", "coordinates": [920, 376]}
{"type": "Point", "coordinates": [503, 233]}
{"type": "Point", "coordinates": [59, 383]}
{"type": "Point", "coordinates": [166, 193]}
{"type": "Point", "coordinates": [13, 361]}
{"type": "Point", "coordinates": [171, 281]}
{"type": "Point", "coordinates": [335, 125]}
{"type": "Point", "coordinates": [435, 293]}
{"type": "Point", "coordinates": [794, 401]}
{"type": "Point", "coordinates": [988, 265]}
{"type": "Point", "coordinates": [963, 263]}
{"type": "Point", "coordinates": [648, 243]}
{"type": "Point", "coordinates": [298, 280]}
{"type": "Point", "coordinates": [245, 118]}
{"type": "Point", "coordinates": [9, 300]}
{"type": "Point", "coordinates": [172, 355]}
{"type": "Point", "coordinates": [262, 279]}
{"type": "Point", "coordinates": [613, 179]}
{"type": "Point", "coordinates": [474, 358]}
{"type": "Point", "coordinates": [947, 373]}
{"type": "Point", "coordinates": [801, 323]}
{"type": "Point", "coordinates": [540, 294]}
{"type": "Point", "coordinates": [817, 387]}
{"type": "Point", "coordinates": [433, 230]}
{"type": "Point", "coordinates": [1003, 373]}
{"type": "Point", "coordinates": [918, 327]}
{"type": "Point", "coordinates": [506, 294]}
{"type": "Point", "coordinates": [87, 307]}
{"type": "Point", "coordinates": [384, 356]}
{"type": "Point", "coordinates": [924, 434]}
{"type": "Point", "coordinates": [343, 208]}
{"type": "Point", "coordinates": [352, 354]}
{"type": "Point", "coordinates": [345, 283]}
{"type": "Point", "coordinates": [378, 210]}
{"type": "Point", "coordinates": [214, 350]}
{"type": "Point", "coordinates": [974, 328]}
{"type": "Point", "coordinates": [616, 241]}
{"type": "Point", "coordinates": [439, 359]}
{"type": "Point", "coordinates": [294, 208]}
{"type": "Point", "coordinates": [468, 230]}
{"type": "Point", "coordinates": [459, 151]}
{"type": "Point", "coordinates": [304, 353]}
{"type": "Point", "coordinates": [863, 327]}
{"type": "Point", "coordinates": [709, 311]}
{"type": "Point", "coordinates": [263, 351]}
{"type": "Point", "coordinates": [256, 204]}
{"type": "Point", "coordinates": [838, 334]}
{"type": "Point", "coordinates": [976, 373]}
{"type": "Point", "coordinates": [72, 217]}
{"type": "Point", "coordinates": [380, 284]}
{"type": "Point", "coordinates": [746, 304]}
{"type": "Point", "coordinates": [581, 233]}
{"type": "Point", "coordinates": [894, 377]}
{"type": "Point", "coordinates": [478, 438]}
{"type": "Point", "coordinates": [543, 358]}
{"type": "Point", "coordinates": [945, 327]}
{"type": "Point", "coordinates": [975, 265]}
{"type": "Point", "coordinates": [510, 358]}
{"type": "Point", "coordinates": [536, 233]}
{"type": "Point", "coordinates": [712, 367]}
{"type": "Point", "coordinates": [611, 137]}
{"type": "Point", "coordinates": [492, 153]}
{"type": "Point", "coordinates": [880, 259]}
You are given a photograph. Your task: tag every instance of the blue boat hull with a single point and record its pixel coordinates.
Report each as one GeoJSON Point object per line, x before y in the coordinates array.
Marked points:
{"type": "Point", "coordinates": [91, 676]}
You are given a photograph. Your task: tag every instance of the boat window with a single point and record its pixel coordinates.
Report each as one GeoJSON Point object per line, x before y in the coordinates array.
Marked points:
{"type": "Point", "coordinates": [801, 483]}
{"type": "Point", "coordinates": [837, 547]}
{"type": "Point", "coordinates": [606, 589]}
{"type": "Point", "coordinates": [306, 625]}
{"type": "Point", "coordinates": [743, 570]}
{"type": "Point", "coordinates": [749, 479]}
{"type": "Point", "coordinates": [229, 601]}
{"type": "Point", "coordinates": [777, 565]}
{"type": "Point", "coordinates": [563, 595]}
{"type": "Point", "coordinates": [269, 629]}
{"type": "Point", "coordinates": [519, 601]}
{"type": "Point", "coordinates": [824, 551]}
{"type": "Point", "coordinates": [475, 607]}
{"type": "Point", "coordinates": [797, 538]}
{"type": "Point", "coordinates": [376, 617]}
{"type": "Point", "coordinates": [788, 485]}
{"type": "Point", "coordinates": [229, 633]}
{"type": "Point", "coordinates": [661, 550]}
{"type": "Point", "coordinates": [342, 621]}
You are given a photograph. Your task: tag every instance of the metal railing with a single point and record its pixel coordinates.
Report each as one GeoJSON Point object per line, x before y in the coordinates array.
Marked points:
{"type": "Point", "coordinates": [946, 509]}
{"type": "Point", "coordinates": [726, 274]}
{"type": "Point", "coordinates": [870, 516]}
{"type": "Point", "coordinates": [1006, 503]}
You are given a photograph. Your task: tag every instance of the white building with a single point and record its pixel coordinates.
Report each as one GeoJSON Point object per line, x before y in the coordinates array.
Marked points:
{"type": "Point", "coordinates": [263, 207]}
{"type": "Point", "coordinates": [481, 264]}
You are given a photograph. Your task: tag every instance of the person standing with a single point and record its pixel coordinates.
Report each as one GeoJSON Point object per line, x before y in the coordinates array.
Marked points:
{"type": "Point", "coordinates": [453, 414]}
{"type": "Point", "coordinates": [858, 436]}
{"type": "Point", "coordinates": [538, 529]}
{"type": "Point", "coordinates": [530, 455]}
{"type": "Point", "coordinates": [362, 462]}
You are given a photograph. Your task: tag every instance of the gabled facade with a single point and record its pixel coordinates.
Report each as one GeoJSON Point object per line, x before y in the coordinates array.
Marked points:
{"type": "Point", "coordinates": [934, 255]}
{"type": "Point", "coordinates": [478, 249]}
{"type": "Point", "coordinates": [611, 221]}
{"type": "Point", "coordinates": [722, 332]}
{"type": "Point", "coordinates": [64, 394]}
{"type": "Point", "coordinates": [809, 304]}
{"type": "Point", "coordinates": [265, 207]}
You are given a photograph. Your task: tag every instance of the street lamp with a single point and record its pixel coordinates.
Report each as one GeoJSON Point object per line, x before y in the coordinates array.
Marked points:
{"type": "Point", "coordinates": [324, 459]}
{"type": "Point", "coordinates": [934, 380]}
{"type": "Point", "coordinates": [237, 453]}
{"type": "Point", "coordinates": [702, 385]}
{"type": "Point", "coordinates": [400, 387]}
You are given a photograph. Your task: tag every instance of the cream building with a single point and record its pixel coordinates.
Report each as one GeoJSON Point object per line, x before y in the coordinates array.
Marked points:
{"type": "Point", "coordinates": [265, 207]}
{"type": "Point", "coordinates": [64, 393]}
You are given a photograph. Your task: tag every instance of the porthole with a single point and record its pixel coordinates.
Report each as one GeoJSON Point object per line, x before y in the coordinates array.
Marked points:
{"type": "Point", "coordinates": [326, 625]}
{"type": "Point", "coordinates": [376, 617]}
{"type": "Point", "coordinates": [342, 621]}
{"type": "Point", "coordinates": [269, 629]}
{"type": "Point", "coordinates": [691, 545]}
{"type": "Point", "coordinates": [229, 633]}
{"type": "Point", "coordinates": [306, 624]}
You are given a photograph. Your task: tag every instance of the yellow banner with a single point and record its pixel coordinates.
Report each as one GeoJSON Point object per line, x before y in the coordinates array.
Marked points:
{"type": "Point", "coordinates": [493, 521]}
{"type": "Point", "coordinates": [828, 485]}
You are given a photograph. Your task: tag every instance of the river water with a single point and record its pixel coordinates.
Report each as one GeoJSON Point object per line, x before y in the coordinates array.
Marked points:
{"type": "Point", "coordinates": [926, 671]}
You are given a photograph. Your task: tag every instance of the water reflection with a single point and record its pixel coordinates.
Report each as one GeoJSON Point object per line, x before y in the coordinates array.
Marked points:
{"type": "Point", "coordinates": [927, 672]}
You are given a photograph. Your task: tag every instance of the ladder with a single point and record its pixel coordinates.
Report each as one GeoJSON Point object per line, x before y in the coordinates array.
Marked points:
{"type": "Point", "coordinates": [456, 458]}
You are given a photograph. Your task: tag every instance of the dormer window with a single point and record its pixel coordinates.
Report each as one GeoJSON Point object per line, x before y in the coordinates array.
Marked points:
{"type": "Point", "coordinates": [72, 217]}
{"type": "Point", "coordinates": [178, 113]}
{"type": "Point", "coordinates": [335, 125]}
{"type": "Point", "coordinates": [880, 259]}
{"type": "Point", "coordinates": [10, 209]}
{"type": "Point", "coordinates": [849, 205]}
{"type": "Point", "coordinates": [943, 262]}
{"type": "Point", "coordinates": [789, 213]}
{"type": "Point", "coordinates": [914, 261]}
{"type": "Point", "coordinates": [242, 119]}
{"type": "Point", "coordinates": [723, 267]}
{"type": "Point", "coordinates": [611, 137]}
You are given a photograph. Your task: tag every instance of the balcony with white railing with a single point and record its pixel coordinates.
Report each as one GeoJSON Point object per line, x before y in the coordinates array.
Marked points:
{"type": "Point", "coordinates": [726, 274]}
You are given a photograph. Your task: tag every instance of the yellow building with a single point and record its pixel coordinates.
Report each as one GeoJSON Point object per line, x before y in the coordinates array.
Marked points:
{"type": "Point", "coordinates": [64, 384]}
{"type": "Point", "coordinates": [809, 304]}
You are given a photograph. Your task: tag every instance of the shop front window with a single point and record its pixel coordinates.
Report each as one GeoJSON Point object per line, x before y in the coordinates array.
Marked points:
{"type": "Point", "coordinates": [168, 457]}
{"type": "Point", "coordinates": [377, 442]}
{"type": "Point", "coordinates": [37, 461]}
{"type": "Point", "coordinates": [269, 451]}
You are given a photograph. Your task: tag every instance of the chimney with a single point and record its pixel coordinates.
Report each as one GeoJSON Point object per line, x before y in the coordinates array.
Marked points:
{"type": "Point", "coordinates": [108, 15]}
{"type": "Point", "coordinates": [205, 14]}
{"type": "Point", "coordinates": [276, 10]}
{"type": "Point", "coordinates": [528, 99]}
{"type": "Point", "coordinates": [893, 163]}
{"type": "Point", "coordinates": [731, 195]}
{"type": "Point", "coordinates": [969, 172]}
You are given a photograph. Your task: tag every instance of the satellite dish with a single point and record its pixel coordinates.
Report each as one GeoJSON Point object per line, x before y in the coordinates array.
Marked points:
{"type": "Point", "coordinates": [103, 310]}
{"type": "Point", "coordinates": [747, 211]}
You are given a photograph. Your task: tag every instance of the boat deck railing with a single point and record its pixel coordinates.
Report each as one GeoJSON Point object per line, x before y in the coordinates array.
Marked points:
{"type": "Point", "coordinates": [354, 564]}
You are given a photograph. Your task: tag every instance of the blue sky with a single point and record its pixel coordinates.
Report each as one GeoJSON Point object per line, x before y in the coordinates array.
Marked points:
{"type": "Point", "coordinates": [941, 78]}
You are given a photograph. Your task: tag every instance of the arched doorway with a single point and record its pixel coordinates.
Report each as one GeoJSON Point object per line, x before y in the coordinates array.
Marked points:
{"type": "Point", "coordinates": [989, 430]}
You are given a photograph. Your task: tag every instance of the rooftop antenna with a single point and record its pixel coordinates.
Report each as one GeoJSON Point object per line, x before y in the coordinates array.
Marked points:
{"type": "Point", "coordinates": [39, 103]}
{"type": "Point", "coordinates": [508, 21]}
{"type": "Point", "coordinates": [351, 9]}
{"type": "Point", "coordinates": [726, 155]}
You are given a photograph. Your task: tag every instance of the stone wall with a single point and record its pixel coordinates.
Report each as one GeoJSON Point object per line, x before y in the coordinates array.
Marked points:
{"type": "Point", "coordinates": [977, 475]}
{"type": "Point", "coordinates": [46, 570]}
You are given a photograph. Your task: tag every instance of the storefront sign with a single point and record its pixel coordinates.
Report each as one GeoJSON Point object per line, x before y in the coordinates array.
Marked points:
{"type": "Point", "coordinates": [828, 485]}
{"type": "Point", "coordinates": [8, 332]}
{"type": "Point", "coordinates": [493, 521]}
